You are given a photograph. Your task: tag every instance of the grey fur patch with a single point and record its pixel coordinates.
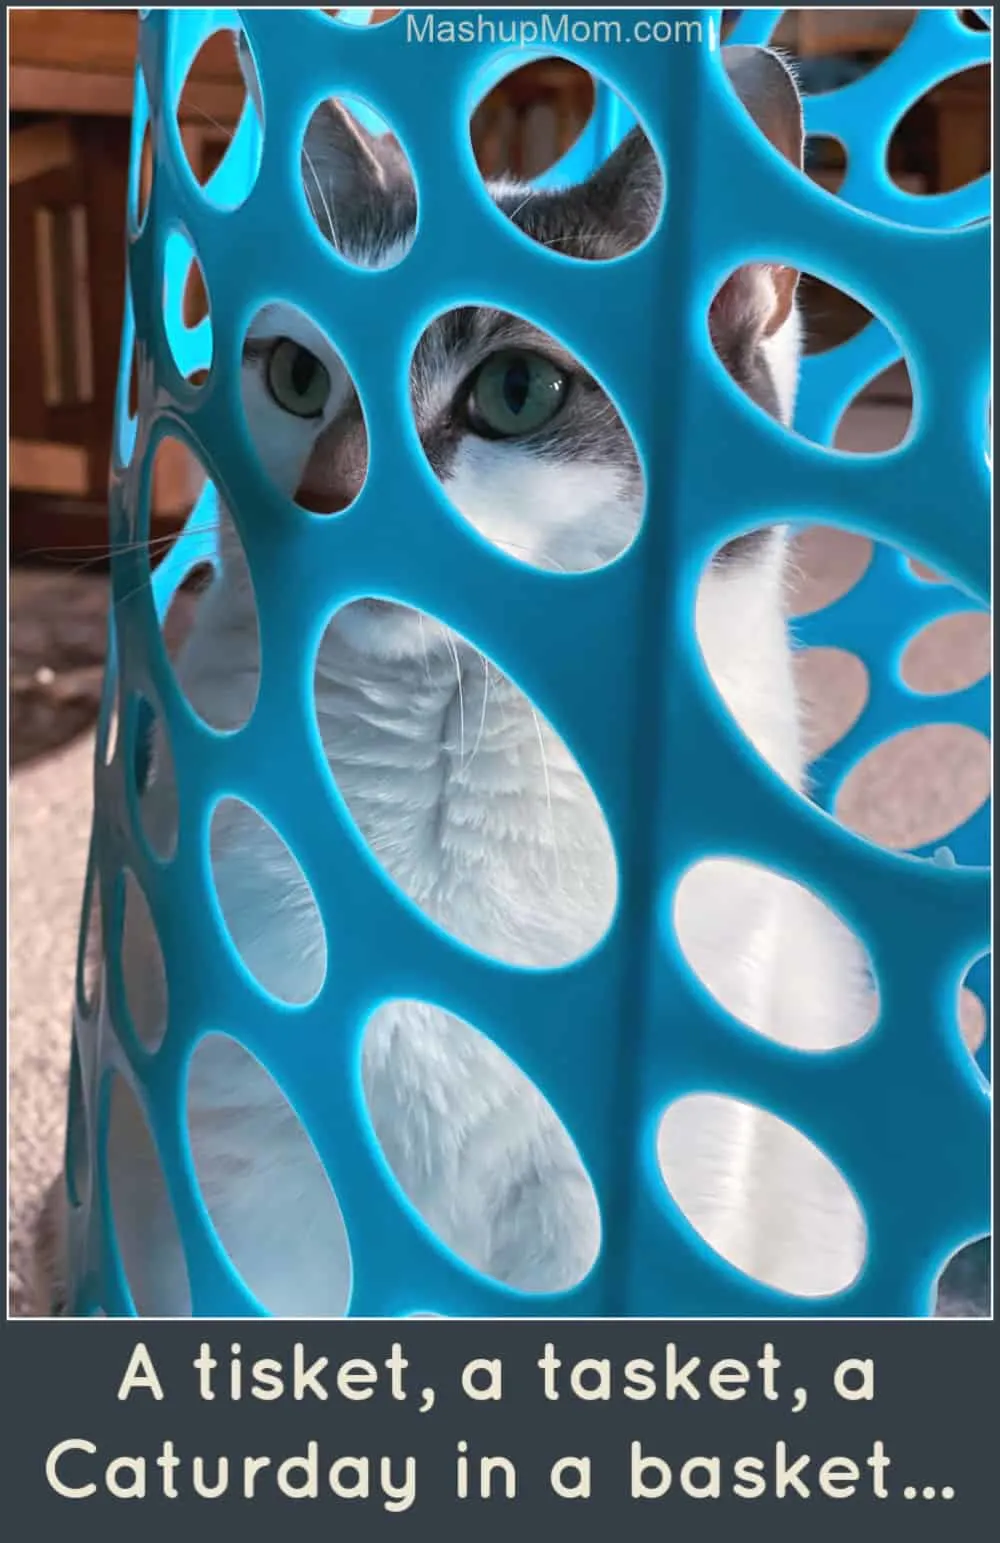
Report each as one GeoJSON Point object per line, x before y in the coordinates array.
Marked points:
{"type": "Point", "coordinates": [358, 186]}
{"type": "Point", "coordinates": [766, 87]}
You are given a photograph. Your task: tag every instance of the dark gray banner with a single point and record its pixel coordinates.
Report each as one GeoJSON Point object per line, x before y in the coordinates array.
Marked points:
{"type": "Point", "coordinates": [377, 1430]}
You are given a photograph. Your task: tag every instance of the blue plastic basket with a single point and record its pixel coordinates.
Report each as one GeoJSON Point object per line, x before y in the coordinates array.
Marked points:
{"type": "Point", "coordinates": [905, 1112]}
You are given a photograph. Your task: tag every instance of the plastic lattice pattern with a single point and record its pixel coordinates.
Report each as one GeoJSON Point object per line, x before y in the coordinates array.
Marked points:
{"type": "Point", "coordinates": [904, 1113]}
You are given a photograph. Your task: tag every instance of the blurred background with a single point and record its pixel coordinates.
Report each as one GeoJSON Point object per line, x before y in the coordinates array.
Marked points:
{"type": "Point", "coordinates": [70, 97]}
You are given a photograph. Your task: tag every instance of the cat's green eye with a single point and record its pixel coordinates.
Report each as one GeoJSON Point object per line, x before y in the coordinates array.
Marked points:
{"type": "Point", "coordinates": [515, 393]}
{"type": "Point", "coordinates": [297, 380]}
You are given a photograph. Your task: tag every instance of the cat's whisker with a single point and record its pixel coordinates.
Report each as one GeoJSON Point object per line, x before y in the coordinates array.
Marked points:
{"type": "Point", "coordinates": [101, 550]}
{"type": "Point", "coordinates": [524, 203]}
{"type": "Point", "coordinates": [579, 239]}
{"type": "Point", "coordinates": [167, 541]}
{"type": "Point", "coordinates": [73, 568]}
{"type": "Point", "coordinates": [329, 233]}
{"type": "Point", "coordinates": [120, 600]}
{"type": "Point", "coordinates": [423, 645]}
{"type": "Point", "coordinates": [100, 547]}
{"type": "Point", "coordinates": [102, 553]}
{"type": "Point", "coordinates": [461, 698]}
{"type": "Point", "coordinates": [544, 561]}
{"type": "Point", "coordinates": [482, 714]}
{"type": "Point", "coordinates": [548, 793]}
{"type": "Point", "coordinates": [228, 134]}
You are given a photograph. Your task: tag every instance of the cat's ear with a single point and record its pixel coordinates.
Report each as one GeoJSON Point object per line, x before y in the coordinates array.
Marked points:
{"type": "Point", "coordinates": [626, 192]}
{"type": "Point", "coordinates": [606, 216]}
{"type": "Point", "coordinates": [757, 299]}
{"type": "Point", "coordinates": [344, 164]}
{"type": "Point", "coordinates": [766, 87]}
{"type": "Point", "coordinates": [340, 153]}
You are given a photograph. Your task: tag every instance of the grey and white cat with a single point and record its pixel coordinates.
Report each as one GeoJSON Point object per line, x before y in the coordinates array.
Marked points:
{"type": "Point", "coordinates": [472, 804]}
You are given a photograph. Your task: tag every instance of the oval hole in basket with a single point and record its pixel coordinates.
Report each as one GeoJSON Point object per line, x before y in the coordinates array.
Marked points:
{"type": "Point", "coordinates": [531, 435]}
{"type": "Point", "coordinates": [761, 1195]}
{"type": "Point", "coordinates": [878, 418]}
{"type": "Point", "coordinates": [345, 16]}
{"type": "Point", "coordinates": [949, 654]}
{"type": "Point", "coordinates": [919, 126]}
{"type": "Point", "coordinates": [177, 482]}
{"type": "Point", "coordinates": [963, 1288]}
{"type": "Point", "coordinates": [530, 119]}
{"type": "Point", "coordinates": [358, 183]}
{"type": "Point", "coordinates": [133, 385]}
{"type": "Point", "coordinates": [737, 922]}
{"type": "Point", "coordinates": [973, 1019]}
{"type": "Point", "coordinates": [141, 175]}
{"type": "Point", "coordinates": [187, 311]}
{"type": "Point", "coordinates": [610, 213]}
{"type": "Point", "coordinates": [127, 406]}
{"type": "Point", "coordinates": [195, 306]}
{"type": "Point", "coordinates": [833, 48]}
{"type": "Point", "coordinates": [916, 787]}
{"type": "Point", "coordinates": [155, 781]}
{"type": "Point", "coordinates": [144, 977]}
{"type": "Point", "coordinates": [224, 66]}
{"type": "Point", "coordinates": [145, 1228]}
{"type": "Point", "coordinates": [263, 1185]}
{"type": "Point", "coordinates": [302, 410]}
{"type": "Point", "coordinates": [267, 904]}
{"type": "Point", "coordinates": [487, 787]}
{"type": "Point", "coordinates": [519, 1209]}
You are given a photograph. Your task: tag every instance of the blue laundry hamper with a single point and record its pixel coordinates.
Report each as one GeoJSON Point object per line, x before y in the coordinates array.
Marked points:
{"type": "Point", "coordinates": [905, 1112]}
